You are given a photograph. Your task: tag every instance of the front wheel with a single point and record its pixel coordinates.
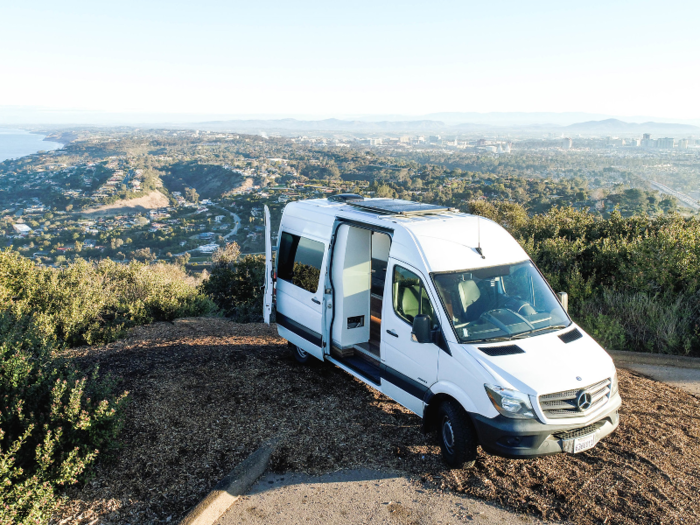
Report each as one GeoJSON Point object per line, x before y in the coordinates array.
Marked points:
{"type": "Point", "coordinates": [457, 437]}
{"type": "Point", "coordinates": [300, 355]}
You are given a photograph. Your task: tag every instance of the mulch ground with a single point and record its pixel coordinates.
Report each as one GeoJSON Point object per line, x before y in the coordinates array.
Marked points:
{"type": "Point", "coordinates": [207, 392]}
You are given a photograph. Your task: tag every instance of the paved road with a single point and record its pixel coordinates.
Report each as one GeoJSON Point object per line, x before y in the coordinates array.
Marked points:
{"type": "Point", "coordinates": [359, 497]}
{"type": "Point", "coordinates": [686, 378]}
{"type": "Point", "coordinates": [237, 224]}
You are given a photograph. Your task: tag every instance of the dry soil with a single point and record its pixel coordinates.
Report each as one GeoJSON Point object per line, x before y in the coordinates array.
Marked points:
{"type": "Point", "coordinates": [207, 392]}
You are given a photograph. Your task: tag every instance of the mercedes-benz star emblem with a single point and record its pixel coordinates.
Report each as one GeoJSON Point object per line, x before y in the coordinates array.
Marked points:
{"type": "Point", "coordinates": [584, 401]}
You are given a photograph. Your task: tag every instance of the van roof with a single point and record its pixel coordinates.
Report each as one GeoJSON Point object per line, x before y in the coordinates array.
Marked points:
{"type": "Point", "coordinates": [442, 239]}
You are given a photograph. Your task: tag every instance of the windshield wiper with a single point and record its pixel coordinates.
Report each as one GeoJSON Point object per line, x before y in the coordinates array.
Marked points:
{"type": "Point", "coordinates": [491, 339]}
{"type": "Point", "coordinates": [530, 332]}
{"type": "Point", "coordinates": [520, 335]}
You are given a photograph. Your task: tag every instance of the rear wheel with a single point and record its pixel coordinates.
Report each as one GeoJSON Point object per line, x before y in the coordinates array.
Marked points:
{"type": "Point", "coordinates": [457, 437]}
{"type": "Point", "coordinates": [300, 355]}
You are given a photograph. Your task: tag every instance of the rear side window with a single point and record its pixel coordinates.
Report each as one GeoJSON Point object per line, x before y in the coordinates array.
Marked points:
{"type": "Point", "coordinates": [300, 261]}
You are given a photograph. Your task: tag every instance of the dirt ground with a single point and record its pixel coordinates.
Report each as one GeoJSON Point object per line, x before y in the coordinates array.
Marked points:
{"type": "Point", "coordinates": [152, 201]}
{"type": "Point", "coordinates": [207, 392]}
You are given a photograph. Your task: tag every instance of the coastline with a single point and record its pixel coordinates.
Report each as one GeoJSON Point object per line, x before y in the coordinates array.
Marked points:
{"type": "Point", "coordinates": [59, 137]}
{"type": "Point", "coordinates": [15, 147]}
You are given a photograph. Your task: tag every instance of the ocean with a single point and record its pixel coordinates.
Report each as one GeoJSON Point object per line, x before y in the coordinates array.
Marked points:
{"type": "Point", "coordinates": [15, 143]}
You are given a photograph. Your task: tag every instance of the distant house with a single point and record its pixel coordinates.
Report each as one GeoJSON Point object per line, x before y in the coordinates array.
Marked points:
{"type": "Point", "coordinates": [208, 248]}
{"type": "Point", "coordinates": [22, 228]}
{"type": "Point", "coordinates": [219, 218]}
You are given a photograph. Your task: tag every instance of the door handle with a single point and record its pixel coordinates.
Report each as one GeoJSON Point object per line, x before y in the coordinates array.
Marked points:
{"type": "Point", "coordinates": [391, 332]}
{"type": "Point", "coordinates": [315, 300]}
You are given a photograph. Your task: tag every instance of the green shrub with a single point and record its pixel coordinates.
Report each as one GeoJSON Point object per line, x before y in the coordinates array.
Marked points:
{"type": "Point", "coordinates": [88, 303]}
{"type": "Point", "coordinates": [660, 324]}
{"type": "Point", "coordinates": [54, 421]}
{"type": "Point", "coordinates": [605, 329]}
{"type": "Point", "coordinates": [236, 286]}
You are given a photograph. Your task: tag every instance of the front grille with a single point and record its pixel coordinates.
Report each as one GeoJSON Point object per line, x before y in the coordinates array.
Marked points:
{"type": "Point", "coordinates": [564, 404]}
{"type": "Point", "coordinates": [579, 432]}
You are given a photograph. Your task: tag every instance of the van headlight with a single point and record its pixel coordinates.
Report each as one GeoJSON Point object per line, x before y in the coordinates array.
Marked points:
{"type": "Point", "coordinates": [614, 386]}
{"type": "Point", "coordinates": [510, 403]}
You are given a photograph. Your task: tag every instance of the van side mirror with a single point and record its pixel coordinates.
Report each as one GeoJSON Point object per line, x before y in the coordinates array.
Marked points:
{"type": "Point", "coordinates": [564, 300]}
{"type": "Point", "coordinates": [422, 331]}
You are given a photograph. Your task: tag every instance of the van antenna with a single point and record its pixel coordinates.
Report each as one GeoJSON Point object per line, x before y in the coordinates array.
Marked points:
{"type": "Point", "coordinates": [478, 237]}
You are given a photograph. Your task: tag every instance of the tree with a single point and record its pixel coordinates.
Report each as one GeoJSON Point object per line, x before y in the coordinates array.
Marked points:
{"type": "Point", "coordinates": [144, 254]}
{"type": "Point", "coordinates": [192, 195]}
{"type": "Point", "coordinates": [182, 260]}
{"type": "Point", "coordinates": [227, 255]}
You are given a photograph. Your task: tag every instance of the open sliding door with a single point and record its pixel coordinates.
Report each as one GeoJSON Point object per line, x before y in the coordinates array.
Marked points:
{"type": "Point", "coordinates": [269, 284]}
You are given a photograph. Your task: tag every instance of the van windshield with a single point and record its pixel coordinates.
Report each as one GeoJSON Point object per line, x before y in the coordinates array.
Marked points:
{"type": "Point", "coordinates": [499, 303]}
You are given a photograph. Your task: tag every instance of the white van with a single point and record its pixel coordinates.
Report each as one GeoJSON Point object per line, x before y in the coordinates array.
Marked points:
{"type": "Point", "coordinates": [446, 314]}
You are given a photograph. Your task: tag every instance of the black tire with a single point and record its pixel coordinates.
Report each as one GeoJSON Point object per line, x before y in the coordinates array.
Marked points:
{"type": "Point", "coordinates": [456, 435]}
{"type": "Point", "coordinates": [300, 356]}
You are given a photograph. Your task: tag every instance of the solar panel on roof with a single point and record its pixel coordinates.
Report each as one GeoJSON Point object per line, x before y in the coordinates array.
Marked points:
{"type": "Point", "coordinates": [397, 207]}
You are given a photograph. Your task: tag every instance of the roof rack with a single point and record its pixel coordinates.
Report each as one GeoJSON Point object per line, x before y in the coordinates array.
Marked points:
{"type": "Point", "coordinates": [397, 207]}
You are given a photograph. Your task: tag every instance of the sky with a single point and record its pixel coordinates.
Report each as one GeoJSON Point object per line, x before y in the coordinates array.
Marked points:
{"type": "Point", "coordinates": [324, 58]}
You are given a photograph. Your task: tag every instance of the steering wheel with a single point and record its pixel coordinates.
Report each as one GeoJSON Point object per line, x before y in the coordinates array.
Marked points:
{"type": "Point", "coordinates": [516, 304]}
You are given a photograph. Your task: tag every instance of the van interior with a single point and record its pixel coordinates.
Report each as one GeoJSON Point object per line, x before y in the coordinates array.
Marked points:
{"type": "Point", "coordinates": [358, 274]}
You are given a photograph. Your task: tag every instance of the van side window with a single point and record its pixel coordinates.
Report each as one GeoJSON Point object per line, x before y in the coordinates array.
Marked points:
{"type": "Point", "coordinates": [410, 297]}
{"type": "Point", "coordinates": [300, 261]}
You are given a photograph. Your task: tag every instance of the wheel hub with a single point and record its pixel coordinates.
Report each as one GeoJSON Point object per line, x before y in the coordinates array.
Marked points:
{"type": "Point", "coordinates": [448, 436]}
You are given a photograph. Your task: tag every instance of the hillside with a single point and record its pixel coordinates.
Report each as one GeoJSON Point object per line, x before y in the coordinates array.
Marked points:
{"type": "Point", "coordinates": [210, 180]}
{"type": "Point", "coordinates": [618, 126]}
{"type": "Point", "coordinates": [152, 201]}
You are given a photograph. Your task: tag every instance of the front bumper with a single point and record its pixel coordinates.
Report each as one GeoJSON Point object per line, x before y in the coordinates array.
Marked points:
{"type": "Point", "coordinates": [528, 438]}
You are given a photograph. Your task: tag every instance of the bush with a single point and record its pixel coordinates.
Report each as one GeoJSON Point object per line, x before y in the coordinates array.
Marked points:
{"type": "Point", "coordinates": [236, 285]}
{"type": "Point", "coordinates": [88, 303]}
{"type": "Point", "coordinates": [637, 321]}
{"type": "Point", "coordinates": [54, 421]}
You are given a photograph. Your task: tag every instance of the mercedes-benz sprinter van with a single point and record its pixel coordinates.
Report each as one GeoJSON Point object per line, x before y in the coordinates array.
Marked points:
{"type": "Point", "coordinates": [445, 313]}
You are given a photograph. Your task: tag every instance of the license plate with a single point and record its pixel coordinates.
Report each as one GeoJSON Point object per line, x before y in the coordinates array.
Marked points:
{"type": "Point", "coordinates": [584, 443]}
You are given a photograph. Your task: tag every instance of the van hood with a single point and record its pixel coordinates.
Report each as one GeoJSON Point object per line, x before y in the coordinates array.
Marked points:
{"type": "Point", "coordinates": [547, 364]}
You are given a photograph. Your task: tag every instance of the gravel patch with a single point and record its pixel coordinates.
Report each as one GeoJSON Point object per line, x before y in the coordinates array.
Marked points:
{"type": "Point", "coordinates": [207, 392]}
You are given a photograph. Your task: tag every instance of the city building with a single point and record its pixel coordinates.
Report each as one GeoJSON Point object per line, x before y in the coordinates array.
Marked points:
{"type": "Point", "coordinates": [647, 141]}
{"type": "Point", "coordinates": [665, 143]}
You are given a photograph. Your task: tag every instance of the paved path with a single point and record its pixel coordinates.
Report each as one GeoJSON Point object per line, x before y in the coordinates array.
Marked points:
{"type": "Point", "coordinates": [359, 497]}
{"type": "Point", "coordinates": [686, 378]}
{"type": "Point", "coordinates": [679, 371]}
